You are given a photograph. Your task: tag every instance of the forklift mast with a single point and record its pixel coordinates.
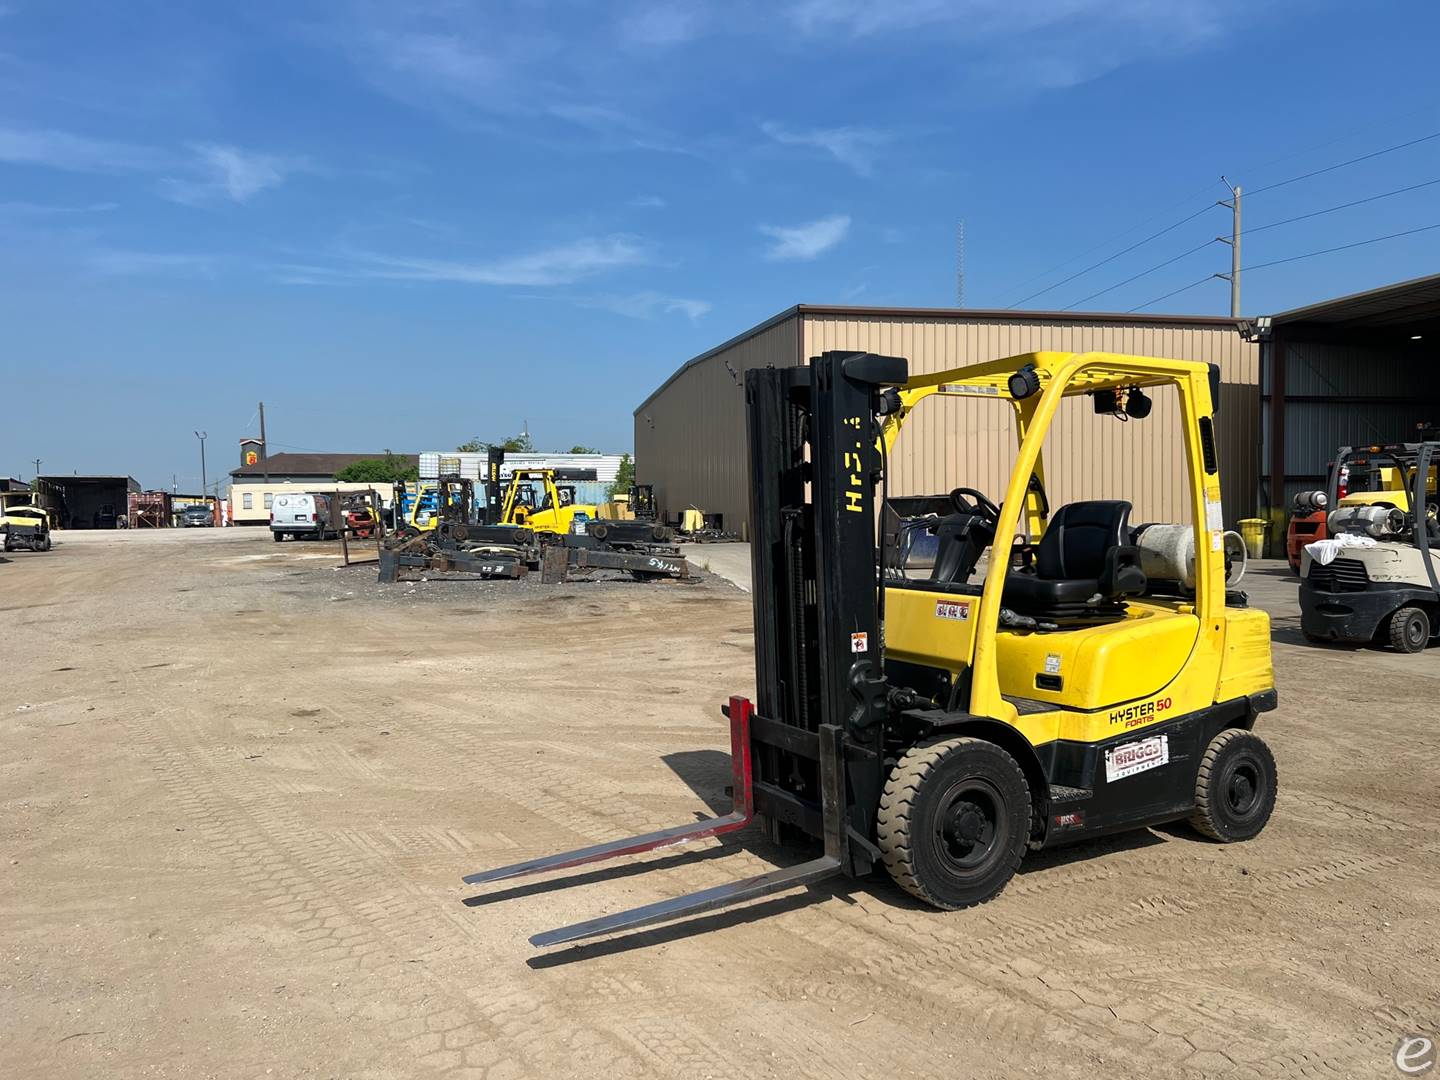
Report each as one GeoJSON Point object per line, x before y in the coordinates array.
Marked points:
{"type": "Point", "coordinates": [818, 642]}
{"type": "Point", "coordinates": [492, 510]}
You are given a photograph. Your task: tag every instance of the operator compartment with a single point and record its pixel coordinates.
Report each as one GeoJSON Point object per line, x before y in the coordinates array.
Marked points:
{"type": "Point", "coordinates": [1080, 625]}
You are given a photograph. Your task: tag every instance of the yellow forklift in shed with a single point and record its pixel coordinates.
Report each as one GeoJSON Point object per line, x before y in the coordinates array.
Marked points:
{"type": "Point", "coordinates": [1036, 687]}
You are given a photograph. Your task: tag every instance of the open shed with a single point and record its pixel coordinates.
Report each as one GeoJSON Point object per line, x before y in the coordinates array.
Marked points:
{"type": "Point", "coordinates": [86, 502]}
{"type": "Point", "coordinates": [1353, 371]}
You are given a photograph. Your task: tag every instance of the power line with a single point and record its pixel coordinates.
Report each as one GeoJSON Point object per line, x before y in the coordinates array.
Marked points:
{"type": "Point", "coordinates": [1344, 247]}
{"type": "Point", "coordinates": [1247, 232]}
{"type": "Point", "coordinates": [1177, 292]}
{"type": "Point", "coordinates": [1112, 258]}
{"type": "Point", "coordinates": [1143, 273]}
{"type": "Point", "coordinates": [1256, 191]}
{"type": "Point", "coordinates": [1342, 206]}
{"type": "Point", "coordinates": [1290, 259]}
{"type": "Point", "coordinates": [1115, 236]}
{"type": "Point", "coordinates": [1343, 164]}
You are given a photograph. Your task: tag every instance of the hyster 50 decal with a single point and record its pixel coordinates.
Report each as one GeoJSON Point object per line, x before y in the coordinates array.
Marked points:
{"type": "Point", "coordinates": [1141, 713]}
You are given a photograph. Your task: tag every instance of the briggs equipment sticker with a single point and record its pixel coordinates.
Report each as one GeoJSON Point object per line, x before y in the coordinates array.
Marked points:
{"type": "Point", "coordinates": [1136, 757]}
{"type": "Point", "coordinates": [952, 609]}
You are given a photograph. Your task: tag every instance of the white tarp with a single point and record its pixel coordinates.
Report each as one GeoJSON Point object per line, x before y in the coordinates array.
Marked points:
{"type": "Point", "coordinates": [1325, 552]}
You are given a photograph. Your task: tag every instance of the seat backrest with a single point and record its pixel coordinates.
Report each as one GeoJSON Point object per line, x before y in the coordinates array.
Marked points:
{"type": "Point", "coordinates": [1078, 536]}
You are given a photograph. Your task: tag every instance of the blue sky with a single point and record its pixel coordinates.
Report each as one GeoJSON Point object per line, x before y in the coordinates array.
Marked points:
{"type": "Point", "coordinates": [403, 224]}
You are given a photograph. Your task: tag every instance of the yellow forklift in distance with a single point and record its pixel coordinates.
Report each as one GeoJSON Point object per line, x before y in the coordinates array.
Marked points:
{"type": "Point", "coordinates": [556, 512]}
{"type": "Point", "coordinates": [1034, 688]}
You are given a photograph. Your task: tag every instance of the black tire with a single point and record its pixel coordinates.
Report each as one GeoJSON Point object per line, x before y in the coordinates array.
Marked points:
{"type": "Point", "coordinates": [278, 536]}
{"type": "Point", "coordinates": [954, 820]}
{"type": "Point", "coordinates": [1410, 630]}
{"type": "Point", "coordinates": [1235, 787]}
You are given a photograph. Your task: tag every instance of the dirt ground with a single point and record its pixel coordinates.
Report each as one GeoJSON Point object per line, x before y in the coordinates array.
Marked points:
{"type": "Point", "coordinates": [239, 788]}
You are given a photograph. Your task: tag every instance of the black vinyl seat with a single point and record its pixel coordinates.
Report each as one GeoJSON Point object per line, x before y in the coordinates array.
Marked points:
{"type": "Point", "coordinates": [1084, 566]}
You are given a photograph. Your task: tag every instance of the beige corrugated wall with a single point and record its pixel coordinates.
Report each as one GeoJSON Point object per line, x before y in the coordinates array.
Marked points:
{"type": "Point", "coordinates": [690, 435]}
{"type": "Point", "coordinates": [954, 441]}
{"type": "Point", "coordinates": [690, 438]}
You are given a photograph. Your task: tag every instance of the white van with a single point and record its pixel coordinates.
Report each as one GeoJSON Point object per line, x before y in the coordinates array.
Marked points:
{"type": "Point", "coordinates": [302, 514]}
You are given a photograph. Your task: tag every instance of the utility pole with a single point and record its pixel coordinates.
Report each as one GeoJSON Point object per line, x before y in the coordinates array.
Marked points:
{"type": "Point", "coordinates": [37, 466]}
{"type": "Point", "coordinates": [960, 266]}
{"type": "Point", "coordinates": [202, 436]}
{"type": "Point", "coordinates": [1233, 203]}
{"type": "Point", "coordinates": [174, 484]}
{"type": "Point", "coordinates": [264, 449]}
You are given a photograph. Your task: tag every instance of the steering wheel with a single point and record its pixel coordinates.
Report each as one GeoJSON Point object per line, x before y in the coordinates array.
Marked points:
{"type": "Point", "coordinates": [989, 511]}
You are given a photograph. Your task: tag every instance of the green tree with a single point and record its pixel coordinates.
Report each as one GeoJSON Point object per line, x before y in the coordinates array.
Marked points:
{"type": "Point", "coordinates": [519, 444]}
{"type": "Point", "coordinates": [390, 469]}
{"type": "Point", "coordinates": [578, 449]}
{"type": "Point", "coordinates": [624, 477]}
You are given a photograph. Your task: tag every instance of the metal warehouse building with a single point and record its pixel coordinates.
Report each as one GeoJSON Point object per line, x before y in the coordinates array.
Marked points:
{"type": "Point", "coordinates": [1349, 372]}
{"type": "Point", "coordinates": [690, 433]}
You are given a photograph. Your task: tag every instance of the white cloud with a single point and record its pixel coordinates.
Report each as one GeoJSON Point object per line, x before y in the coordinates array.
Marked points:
{"type": "Point", "coordinates": [560, 265]}
{"type": "Point", "coordinates": [227, 172]}
{"type": "Point", "coordinates": [670, 23]}
{"type": "Point", "coordinates": [75, 153]}
{"type": "Point", "coordinates": [799, 242]}
{"type": "Point", "coordinates": [209, 172]}
{"type": "Point", "coordinates": [854, 147]}
{"type": "Point", "coordinates": [42, 210]}
{"type": "Point", "coordinates": [648, 304]}
{"type": "Point", "coordinates": [648, 202]}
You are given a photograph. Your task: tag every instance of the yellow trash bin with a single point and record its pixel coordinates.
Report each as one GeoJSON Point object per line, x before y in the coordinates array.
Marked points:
{"type": "Point", "coordinates": [1252, 530]}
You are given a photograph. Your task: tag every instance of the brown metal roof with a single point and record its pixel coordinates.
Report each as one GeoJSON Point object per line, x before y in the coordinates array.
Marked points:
{"type": "Point", "coordinates": [1404, 302]}
{"type": "Point", "coordinates": [1006, 315]}
{"type": "Point", "coordinates": [312, 464]}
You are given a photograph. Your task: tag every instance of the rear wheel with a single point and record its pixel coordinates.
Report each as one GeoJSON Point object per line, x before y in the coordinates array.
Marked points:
{"type": "Point", "coordinates": [954, 820]}
{"type": "Point", "coordinates": [1409, 629]}
{"type": "Point", "coordinates": [1235, 787]}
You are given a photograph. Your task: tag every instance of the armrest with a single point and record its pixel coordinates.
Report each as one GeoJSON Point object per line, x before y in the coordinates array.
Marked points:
{"type": "Point", "coordinates": [1122, 575]}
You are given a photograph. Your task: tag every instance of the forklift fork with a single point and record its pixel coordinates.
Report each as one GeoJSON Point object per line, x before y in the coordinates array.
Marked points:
{"type": "Point", "coordinates": [740, 711]}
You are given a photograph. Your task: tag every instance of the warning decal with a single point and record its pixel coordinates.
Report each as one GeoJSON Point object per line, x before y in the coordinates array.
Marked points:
{"type": "Point", "coordinates": [952, 609]}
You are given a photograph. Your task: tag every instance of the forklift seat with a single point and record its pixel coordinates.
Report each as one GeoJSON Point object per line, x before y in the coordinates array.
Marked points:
{"type": "Point", "coordinates": [1084, 565]}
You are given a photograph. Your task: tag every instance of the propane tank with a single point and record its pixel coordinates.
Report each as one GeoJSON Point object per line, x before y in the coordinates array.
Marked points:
{"type": "Point", "coordinates": [1376, 521]}
{"type": "Point", "coordinates": [1167, 553]}
{"type": "Point", "coordinates": [1307, 502]}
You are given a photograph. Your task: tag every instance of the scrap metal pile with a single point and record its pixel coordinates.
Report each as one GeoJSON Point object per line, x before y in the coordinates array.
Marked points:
{"type": "Point", "coordinates": [506, 536]}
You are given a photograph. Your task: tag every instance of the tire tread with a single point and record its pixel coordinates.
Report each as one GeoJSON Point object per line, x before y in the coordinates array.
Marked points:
{"type": "Point", "coordinates": [893, 821]}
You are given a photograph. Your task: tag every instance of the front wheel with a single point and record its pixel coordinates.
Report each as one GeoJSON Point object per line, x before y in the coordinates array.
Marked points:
{"type": "Point", "coordinates": [954, 820]}
{"type": "Point", "coordinates": [1235, 787]}
{"type": "Point", "coordinates": [1410, 630]}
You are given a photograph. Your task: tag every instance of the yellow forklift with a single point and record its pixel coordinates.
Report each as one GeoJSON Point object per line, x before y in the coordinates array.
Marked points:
{"type": "Point", "coordinates": [554, 514]}
{"type": "Point", "coordinates": [24, 523]}
{"type": "Point", "coordinates": [1035, 688]}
